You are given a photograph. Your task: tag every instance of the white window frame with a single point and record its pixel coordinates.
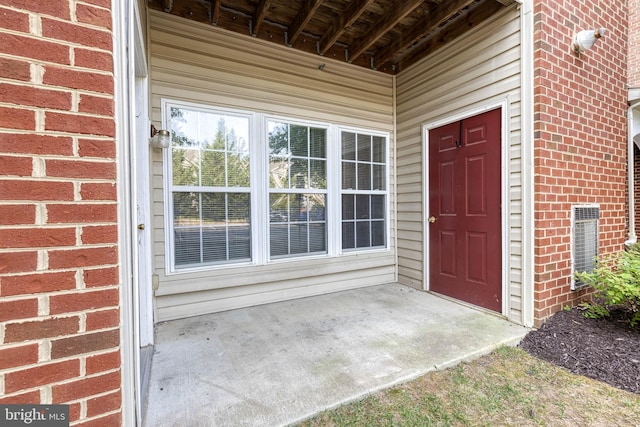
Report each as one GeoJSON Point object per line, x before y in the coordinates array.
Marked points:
{"type": "Point", "coordinates": [385, 193]}
{"type": "Point", "coordinates": [259, 188]}
{"type": "Point", "coordinates": [267, 190]}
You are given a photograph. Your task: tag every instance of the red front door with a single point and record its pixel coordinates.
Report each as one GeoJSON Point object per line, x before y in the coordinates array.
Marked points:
{"type": "Point", "coordinates": [465, 249]}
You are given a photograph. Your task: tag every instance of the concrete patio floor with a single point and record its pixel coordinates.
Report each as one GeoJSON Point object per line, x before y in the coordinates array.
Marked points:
{"type": "Point", "coordinates": [279, 363]}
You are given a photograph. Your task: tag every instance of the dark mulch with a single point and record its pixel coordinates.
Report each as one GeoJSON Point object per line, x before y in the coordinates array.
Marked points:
{"type": "Point", "coordinates": [607, 350]}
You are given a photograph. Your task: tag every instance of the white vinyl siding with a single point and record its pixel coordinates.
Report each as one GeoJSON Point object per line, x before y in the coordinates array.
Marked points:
{"type": "Point", "coordinates": [480, 68]}
{"type": "Point", "coordinates": [200, 64]}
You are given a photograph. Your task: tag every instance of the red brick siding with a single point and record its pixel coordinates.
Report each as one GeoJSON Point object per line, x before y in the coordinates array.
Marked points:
{"type": "Point", "coordinates": [634, 43]}
{"type": "Point", "coordinates": [580, 138]}
{"type": "Point", "coordinates": [59, 284]}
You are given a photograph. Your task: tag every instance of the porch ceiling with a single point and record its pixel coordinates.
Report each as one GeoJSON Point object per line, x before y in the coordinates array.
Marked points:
{"type": "Point", "coordinates": [385, 35]}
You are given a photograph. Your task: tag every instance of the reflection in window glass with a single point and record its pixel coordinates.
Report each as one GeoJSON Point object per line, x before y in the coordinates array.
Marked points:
{"type": "Point", "coordinates": [297, 164]}
{"type": "Point", "coordinates": [211, 187]}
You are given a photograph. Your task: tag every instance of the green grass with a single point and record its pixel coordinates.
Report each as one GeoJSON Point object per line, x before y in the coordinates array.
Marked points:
{"type": "Point", "coordinates": [506, 387]}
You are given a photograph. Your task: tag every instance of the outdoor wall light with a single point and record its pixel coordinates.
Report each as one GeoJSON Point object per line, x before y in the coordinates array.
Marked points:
{"type": "Point", "coordinates": [159, 138]}
{"type": "Point", "coordinates": [585, 39]}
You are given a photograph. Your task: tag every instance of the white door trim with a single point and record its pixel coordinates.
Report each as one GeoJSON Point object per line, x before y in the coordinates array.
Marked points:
{"type": "Point", "coordinates": [123, 75]}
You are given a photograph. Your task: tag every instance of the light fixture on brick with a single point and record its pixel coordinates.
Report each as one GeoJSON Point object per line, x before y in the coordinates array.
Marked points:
{"type": "Point", "coordinates": [585, 39]}
{"type": "Point", "coordinates": [159, 138]}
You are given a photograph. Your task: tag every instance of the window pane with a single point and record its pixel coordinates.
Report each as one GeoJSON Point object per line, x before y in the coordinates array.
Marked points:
{"type": "Point", "coordinates": [348, 235]}
{"type": "Point", "coordinates": [317, 208]}
{"type": "Point", "coordinates": [362, 234]}
{"type": "Point", "coordinates": [299, 140]}
{"type": "Point", "coordinates": [238, 211]}
{"type": "Point", "coordinates": [278, 139]}
{"type": "Point", "coordinates": [219, 141]}
{"type": "Point", "coordinates": [318, 174]}
{"type": "Point", "coordinates": [379, 178]}
{"type": "Point", "coordinates": [185, 166]}
{"type": "Point", "coordinates": [364, 176]}
{"type": "Point", "coordinates": [299, 239]}
{"type": "Point", "coordinates": [214, 243]}
{"type": "Point", "coordinates": [302, 228]}
{"type": "Point", "coordinates": [213, 170]}
{"type": "Point", "coordinates": [297, 208]}
{"type": "Point", "coordinates": [299, 173]}
{"type": "Point", "coordinates": [378, 233]}
{"type": "Point", "coordinates": [362, 207]}
{"type": "Point", "coordinates": [348, 176]}
{"type": "Point", "coordinates": [187, 245]}
{"type": "Point", "coordinates": [379, 149]}
{"type": "Point", "coordinates": [183, 135]}
{"type": "Point", "coordinates": [211, 227]}
{"type": "Point", "coordinates": [239, 242]}
{"type": "Point", "coordinates": [364, 148]}
{"type": "Point", "coordinates": [348, 146]}
{"type": "Point", "coordinates": [278, 208]}
{"type": "Point", "coordinates": [214, 209]}
{"type": "Point", "coordinates": [348, 206]}
{"type": "Point", "coordinates": [318, 143]}
{"type": "Point", "coordinates": [278, 172]}
{"type": "Point", "coordinates": [378, 207]}
{"type": "Point", "coordinates": [238, 170]}
{"type": "Point", "coordinates": [317, 237]}
{"type": "Point", "coordinates": [279, 239]}
{"type": "Point", "coordinates": [186, 209]}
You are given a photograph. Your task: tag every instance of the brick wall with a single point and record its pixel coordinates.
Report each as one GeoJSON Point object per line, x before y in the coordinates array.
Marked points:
{"type": "Point", "coordinates": [580, 138]}
{"type": "Point", "coordinates": [634, 43]}
{"type": "Point", "coordinates": [59, 289]}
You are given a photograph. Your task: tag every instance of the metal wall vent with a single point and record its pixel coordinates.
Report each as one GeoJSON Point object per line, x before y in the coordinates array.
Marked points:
{"type": "Point", "coordinates": [584, 240]}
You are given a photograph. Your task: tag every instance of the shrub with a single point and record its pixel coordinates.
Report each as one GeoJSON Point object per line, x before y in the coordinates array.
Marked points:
{"type": "Point", "coordinates": [616, 280]}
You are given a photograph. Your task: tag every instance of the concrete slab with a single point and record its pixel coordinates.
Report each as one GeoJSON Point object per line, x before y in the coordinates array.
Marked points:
{"type": "Point", "coordinates": [279, 363]}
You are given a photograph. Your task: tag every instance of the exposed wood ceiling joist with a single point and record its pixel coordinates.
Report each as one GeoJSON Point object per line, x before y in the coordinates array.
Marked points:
{"type": "Point", "coordinates": [309, 7]}
{"type": "Point", "coordinates": [258, 16]}
{"type": "Point", "coordinates": [379, 28]}
{"type": "Point", "coordinates": [344, 20]}
{"type": "Point", "coordinates": [386, 35]}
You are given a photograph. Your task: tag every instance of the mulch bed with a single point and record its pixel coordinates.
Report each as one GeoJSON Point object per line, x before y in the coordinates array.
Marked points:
{"type": "Point", "coordinates": [607, 350]}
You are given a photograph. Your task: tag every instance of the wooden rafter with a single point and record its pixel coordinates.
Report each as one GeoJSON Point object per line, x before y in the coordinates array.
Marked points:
{"type": "Point", "coordinates": [304, 15]}
{"type": "Point", "coordinates": [423, 27]}
{"type": "Point", "coordinates": [258, 16]}
{"type": "Point", "coordinates": [382, 26]}
{"type": "Point", "coordinates": [472, 18]}
{"type": "Point", "coordinates": [342, 22]}
{"type": "Point", "coordinates": [215, 11]}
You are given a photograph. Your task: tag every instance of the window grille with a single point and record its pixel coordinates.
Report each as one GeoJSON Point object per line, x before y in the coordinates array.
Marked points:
{"type": "Point", "coordinates": [584, 241]}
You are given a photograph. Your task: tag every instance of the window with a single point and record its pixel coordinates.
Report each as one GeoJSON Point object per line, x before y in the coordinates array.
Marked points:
{"type": "Point", "coordinates": [210, 187]}
{"type": "Point", "coordinates": [584, 240]}
{"type": "Point", "coordinates": [364, 197]}
{"type": "Point", "coordinates": [244, 187]}
{"type": "Point", "coordinates": [297, 189]}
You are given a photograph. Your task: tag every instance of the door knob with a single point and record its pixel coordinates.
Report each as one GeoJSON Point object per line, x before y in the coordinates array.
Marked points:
{"type": "Point", "coordinates": [140, 226]}
{"type": "Point", "coordinates": [432, 219]}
